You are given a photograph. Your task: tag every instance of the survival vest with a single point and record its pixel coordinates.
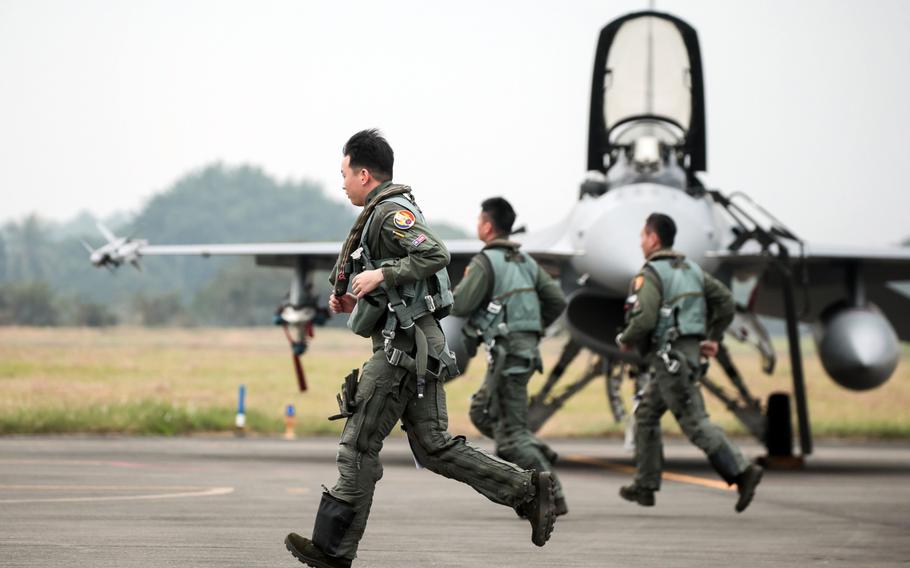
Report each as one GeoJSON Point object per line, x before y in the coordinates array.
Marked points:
{"type": "Point", "coordinates": [401, 304]}
{"type": "Point", "coordinates": [683, 309]}
{"type": "Point", "coordinates": [514, 305]}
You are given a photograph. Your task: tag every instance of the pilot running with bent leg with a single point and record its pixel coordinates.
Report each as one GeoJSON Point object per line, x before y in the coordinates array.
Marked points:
{"type": "Point", "coordinates": [396, 268]}
{"type": "Point", "coordinates": [508, 301]}
{"type": "Point", "coordinates": [676, 314]}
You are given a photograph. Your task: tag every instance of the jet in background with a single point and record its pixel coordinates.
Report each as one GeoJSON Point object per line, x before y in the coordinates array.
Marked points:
{"type": "Point", "coordinates": [646, 148]}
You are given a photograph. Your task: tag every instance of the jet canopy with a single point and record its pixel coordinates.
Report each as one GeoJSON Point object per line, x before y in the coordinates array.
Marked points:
{"type": "Point", "coordinates": [647, 83]}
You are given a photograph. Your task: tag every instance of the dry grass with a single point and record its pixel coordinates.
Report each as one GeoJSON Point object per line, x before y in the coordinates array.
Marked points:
{"type": "Point", "coordinates": [183, 380]}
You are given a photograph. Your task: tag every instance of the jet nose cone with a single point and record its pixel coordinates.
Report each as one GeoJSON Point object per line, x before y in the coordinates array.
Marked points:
{"type": "Point", "coordinates": [614, 244]}
{"type": "Point", "coordinates": [611, 236]}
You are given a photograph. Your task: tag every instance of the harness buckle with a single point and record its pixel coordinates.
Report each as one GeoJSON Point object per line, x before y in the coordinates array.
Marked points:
{"type": "Point", "coordinates": [671, 362]}
{"type": "Point", "coordinates": [393, 355]}
{"type": "Point", "coordinates": [431, 304]}
{"type": "Point", "coordinates": [494, 307]}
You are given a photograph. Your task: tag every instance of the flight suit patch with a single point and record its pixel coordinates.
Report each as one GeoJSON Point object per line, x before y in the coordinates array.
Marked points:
{"type": "Point", "coordinates": [416, 242]}
{"type": "Point", "coordinates": [404, 219]}
{"type": "Point", "coordinates": [638, 283]}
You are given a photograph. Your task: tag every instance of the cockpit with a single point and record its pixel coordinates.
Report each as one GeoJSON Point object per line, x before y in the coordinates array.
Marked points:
{"type": "Point", "coordinates": [647, 104]}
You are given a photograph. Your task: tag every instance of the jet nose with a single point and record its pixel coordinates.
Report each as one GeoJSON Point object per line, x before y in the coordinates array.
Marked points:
{"type": "Point", "coordinates": [611, 236]}
{"type": "Point", "coordinates": [614, 243]}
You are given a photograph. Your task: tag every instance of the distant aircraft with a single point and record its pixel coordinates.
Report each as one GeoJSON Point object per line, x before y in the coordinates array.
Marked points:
{"type": "Point", "coordinates": [646, 146]}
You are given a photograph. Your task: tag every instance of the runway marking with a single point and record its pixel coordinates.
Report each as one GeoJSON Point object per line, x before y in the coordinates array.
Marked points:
{"type": "Point", "coordinates": [74, 462]}
{"type": "Point", "coordinates": [298, 490]}
{"type": "Point", "coordinates": [99, 487]}
{"type": "Point", "coordinates": [669, 475]}
{"type": "Point", "coordinates": [187, 492]}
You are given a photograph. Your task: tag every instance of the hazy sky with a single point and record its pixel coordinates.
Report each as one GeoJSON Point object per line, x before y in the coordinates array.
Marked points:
{"type": "Point", "coordinates": [103, 103]}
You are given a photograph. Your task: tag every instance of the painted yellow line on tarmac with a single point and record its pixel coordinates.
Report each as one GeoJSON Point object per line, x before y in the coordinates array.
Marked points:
{"type": "Point", "coordinates": [668, 475]}
{"type": "Point", "coordinates": [98, 488]}
{"type": "Point", "coordinates": [203, 492]}
{"type": "Point", "coordinates": [298, 490]}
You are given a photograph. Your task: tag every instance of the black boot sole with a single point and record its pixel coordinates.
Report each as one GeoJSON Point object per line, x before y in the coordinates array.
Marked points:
{"type": "Point", "coordinates": [637, 499]}
{"type": "Point", "coordinates": [746, 498]}
{"type": "Point", "coordinates": [305, 560]}
{"type": "Point", "coordinates": [545, 484]}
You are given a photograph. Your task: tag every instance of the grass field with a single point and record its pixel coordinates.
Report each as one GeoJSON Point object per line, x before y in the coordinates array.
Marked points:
{"type": "Point", "coordinates": [165, 381]}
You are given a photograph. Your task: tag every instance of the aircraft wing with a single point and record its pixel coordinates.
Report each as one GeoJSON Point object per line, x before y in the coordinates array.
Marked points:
{"type": "Point", "coordinates": [319, 254]}
{"type": "Point", "coordinates": [550, 247]}
{"type": "Point", "coordinates": [822, 276]}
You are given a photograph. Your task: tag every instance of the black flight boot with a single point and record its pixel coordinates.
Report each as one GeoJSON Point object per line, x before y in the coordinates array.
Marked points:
{"type": "Point", "coordinates": [333, 520]}
{"type": "Point", "coordinates": [560, 507]}
{"type": "Point", "coordinates": [305, 551]}
{"type": "Point", "coordinates": [746, 484]}
{"type": "Point", "coordinates": [540, 510]}
{"type": "Point", "coordinates": [637, 494]}
{"type": "Point", "coordinates": [724, 463]}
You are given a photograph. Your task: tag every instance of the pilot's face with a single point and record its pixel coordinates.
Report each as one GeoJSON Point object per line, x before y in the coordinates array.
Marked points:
{"type": "Point", "coordinates": [650, 243]}
{"type": "Point", "coordinates": [485, 230]}
{"type": "Point", "coordinates": [355, 183]}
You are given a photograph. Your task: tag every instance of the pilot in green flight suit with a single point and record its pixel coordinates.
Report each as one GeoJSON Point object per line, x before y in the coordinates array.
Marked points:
{"type": "Point", "coordinates": [676, 314]}
{"type": "Point", "coordinates": [396, 268]}
{"type": "Point", "coordinates": [508, 301]}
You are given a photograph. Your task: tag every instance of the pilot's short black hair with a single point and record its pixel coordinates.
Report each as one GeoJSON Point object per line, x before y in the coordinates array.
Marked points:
{"type": "Point", "coordinates": [500, 213]}
{"type": "Point", "coordinates": [663, 226]}
{"type": "Point", "coordinates": [369, 150]}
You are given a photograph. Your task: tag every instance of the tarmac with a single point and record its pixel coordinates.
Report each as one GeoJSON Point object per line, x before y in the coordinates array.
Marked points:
{"type": "Point", "coordinates": [224, 501]}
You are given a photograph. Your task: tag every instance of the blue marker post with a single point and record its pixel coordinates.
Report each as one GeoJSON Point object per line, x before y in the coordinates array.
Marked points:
{"type": "Point", "coordinates": [289, 421]}
{"type": "Point", "coordinates": [240, 420]}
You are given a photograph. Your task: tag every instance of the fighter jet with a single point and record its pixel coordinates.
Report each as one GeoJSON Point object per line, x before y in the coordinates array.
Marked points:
{"type": "Point", "coordinates": [646, 149]}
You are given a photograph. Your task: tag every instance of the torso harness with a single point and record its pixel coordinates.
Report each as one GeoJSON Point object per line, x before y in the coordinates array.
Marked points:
{"type": "Point", "coordinates": [408, 302]}
{"type": "Point", "coordinates": [514, 307]}
{"type": "Point", "coordinates": [683, 309]}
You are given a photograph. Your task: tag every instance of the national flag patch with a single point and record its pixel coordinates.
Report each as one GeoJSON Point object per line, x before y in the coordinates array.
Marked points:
{"type": "Point", "coordinates": [416, 242]}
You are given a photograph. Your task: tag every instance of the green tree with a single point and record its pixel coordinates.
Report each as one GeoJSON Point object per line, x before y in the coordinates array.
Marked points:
{"type": "Point", "coordinates": [91, 314]}
{"type": "Point", "coordinates": [160, 310]}
{"type": "Point", "coordinates": [3, 269]}
{"type": "Point", "coordinates": [28, 250]}
{"type": "Point", "coordinates": [31, 303]}
{"type": "Point", "coordinates": [241, 294]}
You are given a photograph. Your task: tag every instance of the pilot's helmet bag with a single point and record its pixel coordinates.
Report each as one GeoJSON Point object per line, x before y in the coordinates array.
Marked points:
{"type": "Point", "coordinates": [367, 314]}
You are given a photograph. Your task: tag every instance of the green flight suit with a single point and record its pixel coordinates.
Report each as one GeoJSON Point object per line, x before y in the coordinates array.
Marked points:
{"type": "Point", "coordinates": [514, 440]}
{"type": "Point", "coordinates": [677, 392]}
{"type": "Point", "coordinates": [387, 393]}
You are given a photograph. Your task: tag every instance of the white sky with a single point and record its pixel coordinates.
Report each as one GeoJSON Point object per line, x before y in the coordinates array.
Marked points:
{"type": "Point", "coordinates": [103, 103]}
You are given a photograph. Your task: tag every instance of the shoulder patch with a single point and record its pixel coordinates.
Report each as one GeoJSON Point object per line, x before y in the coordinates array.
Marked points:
{"type": "Point", "coordinates": [638, 282]}
{"type": "Point", "coordinates": [404, 219]}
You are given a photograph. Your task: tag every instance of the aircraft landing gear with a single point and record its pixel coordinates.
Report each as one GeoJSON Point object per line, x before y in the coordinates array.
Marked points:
{"type": "Point", "coordinates": [779, 435]}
